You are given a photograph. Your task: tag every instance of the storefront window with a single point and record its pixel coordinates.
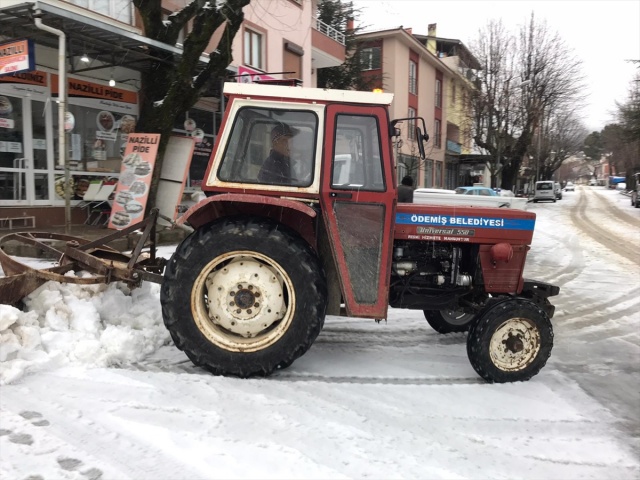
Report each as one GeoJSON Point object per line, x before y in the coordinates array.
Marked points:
{"type": "Point", "coordinates": [12, 155]}
{"type": "Point", "coordinates": [39, 129]}
{"type": "Point", "coordinates": [11, 132]}
{"type": "Point", "coordinates": [95, 145]}
{"type": "Point", "coordinates": [41, 186]}
{"type": "Point", "coordinates": [97, 142]}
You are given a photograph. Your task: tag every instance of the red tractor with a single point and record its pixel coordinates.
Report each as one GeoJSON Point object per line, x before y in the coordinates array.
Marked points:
{"type": "Point", "coordinates": [301, 220]}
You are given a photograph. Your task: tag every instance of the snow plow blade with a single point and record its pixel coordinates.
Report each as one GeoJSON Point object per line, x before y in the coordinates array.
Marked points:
{"type": "Point", "coordinates": [103, 263]}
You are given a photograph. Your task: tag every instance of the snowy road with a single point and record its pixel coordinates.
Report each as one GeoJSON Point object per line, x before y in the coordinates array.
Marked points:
{"type": "Point", "coordinates": [388, 400]}
{"type": "Point", "coordinates": [597, 265]}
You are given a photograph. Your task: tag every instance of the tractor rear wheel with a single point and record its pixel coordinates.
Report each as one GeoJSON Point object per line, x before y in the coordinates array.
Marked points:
{"type": "Point", "coordinates": [243, 296]}
{"type": "Point", "coordinates": [510, 342]}
{"type": "Point", "coordinates": [449, 320]}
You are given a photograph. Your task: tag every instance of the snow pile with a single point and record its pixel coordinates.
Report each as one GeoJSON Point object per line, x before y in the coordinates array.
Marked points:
{"type": "Point", "coordinates": [92, 325]}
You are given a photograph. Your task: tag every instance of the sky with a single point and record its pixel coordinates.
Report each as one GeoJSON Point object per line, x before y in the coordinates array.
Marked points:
{"type": "Point", "coordinates": [603, 34]}
{"type": "Point", "coordinates": [92, 388]}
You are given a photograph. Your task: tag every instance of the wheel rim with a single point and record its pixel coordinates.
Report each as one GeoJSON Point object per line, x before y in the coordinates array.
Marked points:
{"type": "Point", "coordinates": [456, 317]}
{"type": "Point", "coordinates": [243, 301]}
{"type": "Point", "coordinates": [515, 344]}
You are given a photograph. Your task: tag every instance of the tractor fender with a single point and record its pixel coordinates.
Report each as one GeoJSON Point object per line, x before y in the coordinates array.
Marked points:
{"type": "Point", "coordinates": [296, 215]}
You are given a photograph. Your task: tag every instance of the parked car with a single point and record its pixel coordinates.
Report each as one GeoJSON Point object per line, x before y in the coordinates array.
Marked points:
{"type": "Point", "coordinates": [433, 190]}
{"type": "Point", "coordinates": [593, 182]}
{"type": "Point", "coordinates": [486, 191]}
{"type": "Point", "coordinates": [545, 190]}
{"type": "Point", "coordinates": [558, 191]}
{"type": "Point", "coordinates": [503, 192]}
{"type": "Point", "coordinates": [569, 187]}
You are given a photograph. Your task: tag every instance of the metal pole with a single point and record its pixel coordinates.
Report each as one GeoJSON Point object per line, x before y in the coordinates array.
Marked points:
{"type": "Point", "coordinates": [62, 110]}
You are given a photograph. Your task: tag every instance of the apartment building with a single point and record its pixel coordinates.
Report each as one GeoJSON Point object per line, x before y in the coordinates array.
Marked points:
{"type": "Point", "coordinates": [430, 78]}
{"type": "Point", "coordinates": [105, 50]}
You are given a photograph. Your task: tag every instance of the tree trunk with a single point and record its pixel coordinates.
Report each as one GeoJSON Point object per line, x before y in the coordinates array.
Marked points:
{"type": "Point", "coordinates": [510, 174]}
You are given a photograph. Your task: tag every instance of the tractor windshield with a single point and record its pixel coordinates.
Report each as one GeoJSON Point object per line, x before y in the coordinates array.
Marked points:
{"type": "Point", "coordinates": [271, 146]}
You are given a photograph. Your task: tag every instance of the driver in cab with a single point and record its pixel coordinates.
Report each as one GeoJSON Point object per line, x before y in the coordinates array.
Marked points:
{"type": "Point", "coordinates": [276, 168]}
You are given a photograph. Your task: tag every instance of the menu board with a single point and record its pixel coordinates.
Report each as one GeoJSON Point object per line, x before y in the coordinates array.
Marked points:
{"type": "Point", "coordinates": [132, 191]}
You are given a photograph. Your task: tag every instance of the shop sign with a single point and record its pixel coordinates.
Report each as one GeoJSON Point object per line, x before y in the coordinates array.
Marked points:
{"type": "Point", "coordinates": [82, 88]}
{"type": "Point", "coordinates": [33, 83]}
{"type": "Point", "coordinates": [132, 191]}
{"type": "Point", "coordinates": [36, 77]}
{"type": "Point", "coordinates": [249, 75]}
{"type": "Point", "coordinates": [11, 147]}
{"type": "Point", "coordinates": [17, 56]}
{"type": "Point", "coordinates": [6, 123]}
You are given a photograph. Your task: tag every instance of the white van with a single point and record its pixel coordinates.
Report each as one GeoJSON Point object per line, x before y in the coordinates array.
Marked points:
{"type": "Point", "coordinates": [544, 191]}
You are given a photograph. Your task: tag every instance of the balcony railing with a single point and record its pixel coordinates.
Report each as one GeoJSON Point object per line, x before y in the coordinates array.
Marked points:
{"type": "Point", "coordinates": [329, 31]}
{"type": "Point", "coordinates": [454, 147]}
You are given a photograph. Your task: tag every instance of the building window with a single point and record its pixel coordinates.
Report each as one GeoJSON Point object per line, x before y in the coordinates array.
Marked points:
{"type": "Point", "coordinates": [371, 58]}
{"type": "Point", "coordinates": [253, 49]}
{"type": "Point", "coordinates": [117, 9]}
{"type": "Point", "coordinates": [437, 141]}
{"type": "Point", "coordinates": [292, 60]}
{"type": "Point", "coordinates": [439, 93]}
{"type": "Point", "coordinates": [413, 77]}
{"type": "Point", "coordinates": [411, 134]}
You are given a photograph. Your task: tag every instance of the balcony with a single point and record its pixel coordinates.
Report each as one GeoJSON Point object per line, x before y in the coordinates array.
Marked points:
{"type": "Point", "coordinates": [327, 45]}
{"type": "Point", "coordinates": [454, 147]}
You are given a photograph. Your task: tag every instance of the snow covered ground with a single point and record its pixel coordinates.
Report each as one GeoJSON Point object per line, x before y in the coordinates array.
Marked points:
{"type": "Point", "coordinates": [92, 387]}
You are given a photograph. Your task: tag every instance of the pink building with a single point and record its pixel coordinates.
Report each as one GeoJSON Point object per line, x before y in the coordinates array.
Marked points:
{"type": "Point", "coordinates": [429, 79]}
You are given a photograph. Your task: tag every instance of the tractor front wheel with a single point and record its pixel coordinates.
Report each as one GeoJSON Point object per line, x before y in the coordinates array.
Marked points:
{"type": "Point", "coordinates": [510, 342]}
{"type": "Point", "coordinates": [243, 297]}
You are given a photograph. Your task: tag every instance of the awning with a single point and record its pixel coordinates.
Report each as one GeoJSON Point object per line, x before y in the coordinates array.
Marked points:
{"type": "Point", "coordinates": [106, 41]}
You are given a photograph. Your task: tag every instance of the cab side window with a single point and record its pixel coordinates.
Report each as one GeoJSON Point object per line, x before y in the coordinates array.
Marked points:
{"type": "Point", "coordinates": [356, 160]}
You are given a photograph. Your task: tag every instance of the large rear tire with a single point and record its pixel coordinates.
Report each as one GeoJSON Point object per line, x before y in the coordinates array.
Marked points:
{"type": "Point", "coordinates": [448, 320]}
{"type": "Point", "coordinates": [510, 342]}
{"type": "Point", "coordinates": [243, 296]}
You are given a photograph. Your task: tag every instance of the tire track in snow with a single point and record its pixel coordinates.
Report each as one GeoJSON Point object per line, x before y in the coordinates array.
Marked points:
{"type": "Point", "coordinates": [576, 265]}
{"type": "Point", "coordinates": [580, 219]}
{"type": "Point", "coordinates": [615, 212]}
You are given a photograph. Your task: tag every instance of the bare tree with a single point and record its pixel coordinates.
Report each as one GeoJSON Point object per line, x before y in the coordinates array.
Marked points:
{"type": "Point", "coordinates": [563, 135]}
{"type": "Point", "coordinates": [494, 117]}
{"type": "Point", "coordinates": [554, 83]}
{"type": "Point", "coordinates": [173, 85]}
{"type": "Point", "coordinates": [629, 119]}
{"type": "Point", "coordinates": [526, 81]}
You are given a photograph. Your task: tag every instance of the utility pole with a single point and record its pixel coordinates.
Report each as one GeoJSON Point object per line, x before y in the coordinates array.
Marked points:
{"type": "Point", "coordinates": [539, 153]}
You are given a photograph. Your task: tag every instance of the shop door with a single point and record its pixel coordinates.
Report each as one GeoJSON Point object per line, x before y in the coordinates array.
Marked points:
{"type": "Point", "coordinates": [24, 177]}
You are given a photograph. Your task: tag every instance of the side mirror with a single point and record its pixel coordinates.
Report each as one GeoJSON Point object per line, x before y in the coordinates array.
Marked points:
{"type": "Point", "coordinates": [422, 139]}
{"type": "Point", "coordinates": [393, 131]}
